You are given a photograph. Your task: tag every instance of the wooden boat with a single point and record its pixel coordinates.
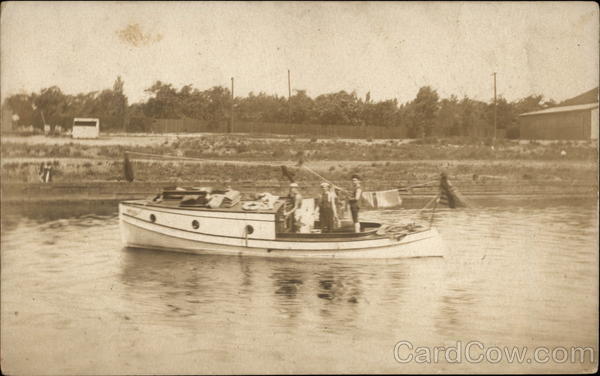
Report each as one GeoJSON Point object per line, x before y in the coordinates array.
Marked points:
{"type": "Point", "coordinates": [246, 229]}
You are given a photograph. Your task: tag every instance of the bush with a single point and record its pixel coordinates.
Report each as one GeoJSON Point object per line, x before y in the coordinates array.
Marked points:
{"type": "Point", "coordinates": [513, 133]}
{"type": "Point", "coordinates": [241, 148]}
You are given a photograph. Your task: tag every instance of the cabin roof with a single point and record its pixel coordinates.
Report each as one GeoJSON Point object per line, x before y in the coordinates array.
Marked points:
{"type": "Point", "coordinates": [553, 110]}
{"type": "Point", "coordinates": [237, 208]}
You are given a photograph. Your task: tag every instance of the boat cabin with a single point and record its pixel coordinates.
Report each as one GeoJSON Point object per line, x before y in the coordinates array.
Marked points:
{"type": "Point", "coordinates": [223, 213]}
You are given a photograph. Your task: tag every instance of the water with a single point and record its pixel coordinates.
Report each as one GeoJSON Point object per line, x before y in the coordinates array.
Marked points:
{"type": "Point", "coordinates": [518, 273]}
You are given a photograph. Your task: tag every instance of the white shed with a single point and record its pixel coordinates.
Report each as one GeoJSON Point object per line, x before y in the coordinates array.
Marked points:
{"type": "Point", "coordinates": [86, 128]}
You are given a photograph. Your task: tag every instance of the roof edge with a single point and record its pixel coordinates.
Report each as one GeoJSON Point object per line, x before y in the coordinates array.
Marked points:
{"type": "Point", "coordinates": [559, 109]}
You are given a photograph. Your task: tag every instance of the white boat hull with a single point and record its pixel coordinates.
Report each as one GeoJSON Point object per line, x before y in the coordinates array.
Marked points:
{"type": "Point", "coordinates": [139, 233]}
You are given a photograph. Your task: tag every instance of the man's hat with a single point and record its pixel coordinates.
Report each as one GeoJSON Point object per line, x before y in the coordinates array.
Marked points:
{"type": "Point", "coordinates": [325, 185]}
{"type": "Point", "coordinates": [294, 185]}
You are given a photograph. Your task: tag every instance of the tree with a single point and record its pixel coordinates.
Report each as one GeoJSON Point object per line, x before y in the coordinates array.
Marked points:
{"type": "Point", "coordinates": [23, 106]}
{"type": "Point", "coordinates": [302, 107]}
{"type": "Point", "coordinates": [426, 115]}
{"type": "Point", "coordinates": [530, 103]}
{"type": "Point", "coordinates": [448, 117]}
{"type": "Point", "coordinates": [383, 113]}
{"type": "Point", "coordinates": [505, 114]}
{"type": "Point", "coordinates": [423, 110]}
{"type": "Point", "coordinates": [218, 101]}
{"type": "Point", "coordinates": [263, 107]}
{"type": "Point", "coordinates": [163, 101]}
{"type": "Point", "coordinates": [339, 108]}
{"type": "Point", "coordinates": [119, 101]}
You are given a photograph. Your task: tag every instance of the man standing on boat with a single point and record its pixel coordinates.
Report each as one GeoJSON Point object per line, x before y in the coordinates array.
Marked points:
{"type": "Point", "coordinates": [293, 207]}
{"type": "Point", "coordinates": [354, 200]}
{"type": "Point", "coordinates": [327, 209]}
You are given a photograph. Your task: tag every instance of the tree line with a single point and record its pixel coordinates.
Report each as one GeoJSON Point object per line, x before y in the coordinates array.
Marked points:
{"type": "Point", "coordinates": [425, 116]}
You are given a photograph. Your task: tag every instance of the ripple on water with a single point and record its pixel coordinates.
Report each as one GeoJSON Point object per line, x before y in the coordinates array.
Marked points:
{"type": "Point", "coordinates": [513, 275]}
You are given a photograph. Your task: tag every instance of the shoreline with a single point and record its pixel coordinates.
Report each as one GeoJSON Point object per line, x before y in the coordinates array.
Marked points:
{"type": "Point", "coordinates": [12, 192]}
{"type": "Point", "coordinates": [93, 169]}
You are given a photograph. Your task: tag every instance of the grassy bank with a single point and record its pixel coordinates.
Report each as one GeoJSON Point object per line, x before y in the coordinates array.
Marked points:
{"type": "Point", "coordinates": [376, 175]}
{"type": "Point", "coordinates": [242, 161]}
{"type": "Point", "coordinates": [263, 149]}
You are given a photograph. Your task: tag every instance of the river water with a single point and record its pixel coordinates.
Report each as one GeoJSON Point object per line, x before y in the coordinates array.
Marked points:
{"type": "Point", "coordinates": [517, 273]}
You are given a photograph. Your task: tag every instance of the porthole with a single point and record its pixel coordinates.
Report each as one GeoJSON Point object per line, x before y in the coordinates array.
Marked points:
{"type": "Point", "coordinates": [152, 218]}
{"type": "Point", "coordinates": [249, 229]}
{"type": "Point", "coordinates": [195, 224]}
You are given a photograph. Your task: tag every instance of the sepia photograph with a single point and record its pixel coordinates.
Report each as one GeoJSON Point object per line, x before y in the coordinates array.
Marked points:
{"type": "Point", "coordinates": [319, 187]}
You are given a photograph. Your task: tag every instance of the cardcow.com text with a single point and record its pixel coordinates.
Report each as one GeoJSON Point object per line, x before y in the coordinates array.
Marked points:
{"type": "Point", "coordinates": [478, 352]}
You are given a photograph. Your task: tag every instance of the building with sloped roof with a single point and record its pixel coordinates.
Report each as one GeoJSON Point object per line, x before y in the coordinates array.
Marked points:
{"type": "Point", "coordinates": [570, 122]}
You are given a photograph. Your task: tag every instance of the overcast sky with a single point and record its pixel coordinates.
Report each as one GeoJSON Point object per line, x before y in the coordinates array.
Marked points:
{"type": "Point", "coordinates": [389, 49]}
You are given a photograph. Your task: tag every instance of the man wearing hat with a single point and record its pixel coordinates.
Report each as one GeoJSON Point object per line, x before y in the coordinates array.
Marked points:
{"type": "Point", "coordinates": [327, 210]}
{"type": "Point", "coordinates": [293, 207]}
{"type": "Point", "coordinates": [354, 200]}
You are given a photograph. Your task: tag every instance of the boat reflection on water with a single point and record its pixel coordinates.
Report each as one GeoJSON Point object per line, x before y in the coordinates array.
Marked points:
{"type": "Point", "coordinates": [293, 295]}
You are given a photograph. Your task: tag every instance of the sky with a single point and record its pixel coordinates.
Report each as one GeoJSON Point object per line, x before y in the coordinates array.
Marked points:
{"type": "Point", "coordinates": [385, 48]}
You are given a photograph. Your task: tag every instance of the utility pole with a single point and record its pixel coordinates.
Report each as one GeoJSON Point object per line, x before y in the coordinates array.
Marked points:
{"type": "Point", "coordinates": [495, 108]}
{"type": "Point", "coordinates": [289, 99]}
{"type": "Point", "coordinates": [231, 114]}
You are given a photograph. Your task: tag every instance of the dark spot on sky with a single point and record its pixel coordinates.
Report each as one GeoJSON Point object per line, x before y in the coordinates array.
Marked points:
{"type": "Point", "coordinates": [133, 35]}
